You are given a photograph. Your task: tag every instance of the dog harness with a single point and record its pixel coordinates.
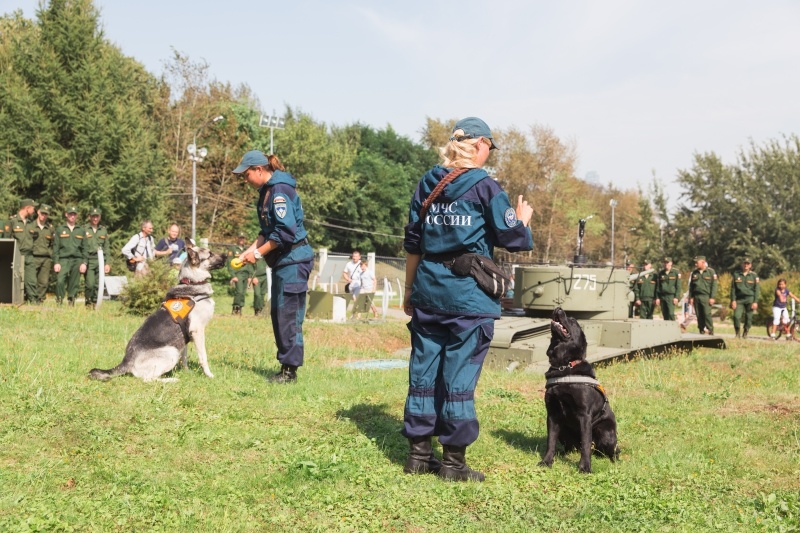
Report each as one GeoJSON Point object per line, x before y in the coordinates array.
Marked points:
{"type": "Point", "coordinates": [552, 382]}
{"type": "Point", "coordinates": [179, 309]}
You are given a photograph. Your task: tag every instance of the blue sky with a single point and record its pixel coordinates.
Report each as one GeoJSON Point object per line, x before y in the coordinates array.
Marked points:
{"type": "Point", "coordinates": [638, 86]}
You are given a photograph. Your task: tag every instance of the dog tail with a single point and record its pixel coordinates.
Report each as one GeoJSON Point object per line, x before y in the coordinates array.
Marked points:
{"type": "Point", "coordinates": [104, 375]}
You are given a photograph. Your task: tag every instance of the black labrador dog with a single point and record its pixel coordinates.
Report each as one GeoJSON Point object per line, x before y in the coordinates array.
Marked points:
{"type": "Point", "coordinates": [578, 413]}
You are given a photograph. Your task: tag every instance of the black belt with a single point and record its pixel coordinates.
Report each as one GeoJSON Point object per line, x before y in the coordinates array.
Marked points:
{"type": "Point", "coordinates": [445, 257]}
{"type": "Point", "coordinates": [299, 244]}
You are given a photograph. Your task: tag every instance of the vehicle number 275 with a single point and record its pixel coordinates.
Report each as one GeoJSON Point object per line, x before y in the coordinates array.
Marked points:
{"type": "Point", "coordinates": [585, 282]}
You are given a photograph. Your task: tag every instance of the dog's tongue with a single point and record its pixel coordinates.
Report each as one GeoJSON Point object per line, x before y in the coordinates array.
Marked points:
{"type": "Point", "coordinates": [560, 327]}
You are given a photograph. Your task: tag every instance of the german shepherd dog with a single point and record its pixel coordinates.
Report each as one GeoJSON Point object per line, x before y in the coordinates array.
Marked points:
{"type": "Point", "coordinates": [160, 342]}
{"type": "Point", "coordinates": [578, 413]}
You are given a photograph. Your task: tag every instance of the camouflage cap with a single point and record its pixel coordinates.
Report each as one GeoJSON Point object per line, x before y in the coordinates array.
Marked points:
{"type": "Point", "coordinates": [668, 260]}
{"type": "Point", "coordinates": [699, 258]}
{"type": "Point", "coordinates": [71, 209]}
{"type": "Point", "coordinates": [747, 260]}
{"type": "Point", "coordinates": [25, 202]}
{"type": "Point", "coordinates": [95, 211]}
{"type": "Point", "coordinates": [45, 209]}
{"type": "Point", "coordinates": [242, 235]}
{"type": "Point", "coordinates": [646, 262]}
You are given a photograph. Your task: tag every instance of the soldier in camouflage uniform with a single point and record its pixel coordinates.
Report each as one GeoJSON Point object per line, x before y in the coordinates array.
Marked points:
{"type": "Point", "coordinates": [702, 292]}
{"type": "Point", "coordinates": [745, 292]}
{"type": "Point", "coordinates": [39, 262]}
{"type": "Point", "coordinates": [259, 285]}
{"type": "Point", "coordinates": [96, 239]}
{"type": "Point", "coordinates": [645, 291]}
{"type": "Point", "coordinates": [239, 277]}
{"type": "Point", "coordinates": [68, 256]}
{"type": "Point", "coordinates": [668, 290]}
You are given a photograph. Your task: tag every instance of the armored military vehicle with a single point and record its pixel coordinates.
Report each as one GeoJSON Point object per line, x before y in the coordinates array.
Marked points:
{"type": "Point", "coordinates": [598, 297]}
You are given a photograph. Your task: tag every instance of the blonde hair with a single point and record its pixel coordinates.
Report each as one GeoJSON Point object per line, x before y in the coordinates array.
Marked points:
{"type": "Point", "coordinates": [460, 154]}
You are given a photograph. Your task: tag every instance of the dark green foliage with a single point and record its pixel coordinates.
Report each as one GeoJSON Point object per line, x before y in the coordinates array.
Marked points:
{"type": "Point", "coordinates": [144, 294]}
{"type": "Point", "coordinates": [387, 168]}
{"type": "Point", "coordinates": [76, 117]}
{"type": "Point", "coordinates": [751, 208]}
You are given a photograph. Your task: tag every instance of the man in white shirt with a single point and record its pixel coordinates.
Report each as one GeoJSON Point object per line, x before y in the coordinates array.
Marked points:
{"type": "Point", "coordinates": [140, 249]}
{"type": "Point", "coordinates": [351, 270]}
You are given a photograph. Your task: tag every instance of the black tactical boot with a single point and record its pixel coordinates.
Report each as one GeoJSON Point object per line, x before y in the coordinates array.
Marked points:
{"type": "Point", "coordinates": [288, 374]}
{"type": "Point", "coordinates": [738, 335]}
{"type": "Point", "coordinates": [420, 458]}
{"type": "Point", "coordinates": [454, 465]}
{"type": "Point", "coordinates": [744, 334]}
{"type": "Point", "coordinates": [257, 312]}
{"type": "Point", "coordinates": [237, 310]}
{"type": "Point", "coordinates": [71, 302]}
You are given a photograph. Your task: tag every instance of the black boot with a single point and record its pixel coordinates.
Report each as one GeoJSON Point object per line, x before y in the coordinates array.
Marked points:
{"type": "Point", "coordinates": [744, 335]}
{"type": "Point", "coordinates": [257, 312]}
{"type": "Point", "coordinates": [420, 458]}
{"type": "Point", "coordinates": [237, 310]}
{"type": "Point", "coordinates": [737, 333]}
{"type": "Point", "coordinates": [288, 374]}
{"type": "Point", "coordinates": [454, 465]}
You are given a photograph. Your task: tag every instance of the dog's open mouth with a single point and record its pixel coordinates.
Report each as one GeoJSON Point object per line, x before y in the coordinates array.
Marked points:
{"type": "Point", "coordinates": [557, 325]}
{"type": "Point", "coordinates": [561, 329]}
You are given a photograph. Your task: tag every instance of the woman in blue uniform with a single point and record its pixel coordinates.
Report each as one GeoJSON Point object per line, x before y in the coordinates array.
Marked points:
{"type": "Point", "coordinates": [283, 243]}
{"type": "Point", "coordinates": [452, 319]}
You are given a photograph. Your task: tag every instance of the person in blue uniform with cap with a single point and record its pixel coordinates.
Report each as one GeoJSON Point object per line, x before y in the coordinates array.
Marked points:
{"type": "Point", "coordinates": [283, 244]}
{"type": "Point", "coordinates": [457, 208]}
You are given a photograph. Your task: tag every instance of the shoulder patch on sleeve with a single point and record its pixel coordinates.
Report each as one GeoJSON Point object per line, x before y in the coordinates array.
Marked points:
{"type": "Point", "coordinates": [279, 199]}
{"type": "Point", "coordinates": [510, 217]}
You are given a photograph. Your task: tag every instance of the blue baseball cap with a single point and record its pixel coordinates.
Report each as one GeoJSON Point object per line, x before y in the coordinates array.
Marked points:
{"type": "Point", "coordinates": [253, 158]}
{"type": "Point", "coordinates": [473, 127]}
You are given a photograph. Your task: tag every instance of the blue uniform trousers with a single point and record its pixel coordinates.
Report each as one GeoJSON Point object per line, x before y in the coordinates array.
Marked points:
{"type": "Point", "coordinates": [447, 354]}
{"type": "Point", "coordinates": [288, 309]}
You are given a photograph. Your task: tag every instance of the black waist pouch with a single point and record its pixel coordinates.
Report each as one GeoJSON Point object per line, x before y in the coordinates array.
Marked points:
{"type": "Point", "coordinates": [490, 278]}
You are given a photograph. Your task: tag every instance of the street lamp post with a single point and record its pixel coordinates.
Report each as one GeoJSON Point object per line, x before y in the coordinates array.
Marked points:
{"type": "Point", "coordinates": [613, 204]}
{"type": "Point", "coordinates": [272, 122]}
{"type": "Point", "coordinates": [196, 155]}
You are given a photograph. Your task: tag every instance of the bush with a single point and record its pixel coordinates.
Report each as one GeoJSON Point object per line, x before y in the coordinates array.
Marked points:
{"type": "Point", "coordinates": [144, 294]}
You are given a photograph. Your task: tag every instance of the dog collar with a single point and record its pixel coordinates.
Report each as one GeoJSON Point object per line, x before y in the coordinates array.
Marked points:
{"type": "Point", "coordinates": [187, 281]}
{"type": "Point", "coordinates": [571, 364]}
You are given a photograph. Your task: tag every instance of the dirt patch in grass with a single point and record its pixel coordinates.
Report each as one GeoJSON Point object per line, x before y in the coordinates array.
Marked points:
{"type": "Point", "coordinates": [779, 409]}
{"type": "Point", "coordinates": [362, 337]}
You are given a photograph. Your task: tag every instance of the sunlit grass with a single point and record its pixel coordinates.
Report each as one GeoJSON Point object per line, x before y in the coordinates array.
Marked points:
{"type": "Point", "coordinates": [709, 439]}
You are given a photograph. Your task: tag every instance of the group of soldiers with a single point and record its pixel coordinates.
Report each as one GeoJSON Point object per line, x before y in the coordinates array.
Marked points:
{"type": "Point", "coordinates": [665, 289]}
{"type": "Point", "coordinates": [69, 250]}
{"type": "Point", "coordinates": [250, 275]}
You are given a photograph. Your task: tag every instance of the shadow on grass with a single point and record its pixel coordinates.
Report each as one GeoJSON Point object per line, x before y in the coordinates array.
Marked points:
{"type": "Point", "coordinates": [534, 445]}
{"type": "Point", "coordinates": [381, 427]}
{"type": "Point", "coordinates": [267, 372]}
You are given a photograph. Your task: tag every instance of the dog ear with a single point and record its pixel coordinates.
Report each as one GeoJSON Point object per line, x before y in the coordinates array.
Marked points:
{"type": "Point", "coordinates": [194, 257]}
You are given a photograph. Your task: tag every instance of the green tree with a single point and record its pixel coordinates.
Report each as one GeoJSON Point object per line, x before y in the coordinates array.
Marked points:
{"type": "Point", "coordinates": [749, 208]}
{"type": "Point", "coordinates": [387, 169]}
{"type": "Point", "coordinates": [77, 116]}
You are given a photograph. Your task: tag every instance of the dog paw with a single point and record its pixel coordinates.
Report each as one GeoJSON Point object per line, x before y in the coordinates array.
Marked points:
{"type": "Point", "coordinates": [548, 464]}
{"type": "Point", "coordinates": [585, 469]}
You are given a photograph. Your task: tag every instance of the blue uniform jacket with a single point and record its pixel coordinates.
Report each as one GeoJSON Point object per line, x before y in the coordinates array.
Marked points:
{"type": "Point", "coordinates": [472, 214]}
{"type": "Point", "coordinates": [280, 214]}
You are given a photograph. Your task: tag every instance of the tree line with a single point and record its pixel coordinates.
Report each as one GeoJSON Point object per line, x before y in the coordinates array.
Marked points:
{"type": "Point", "coordinates": [82, 123]}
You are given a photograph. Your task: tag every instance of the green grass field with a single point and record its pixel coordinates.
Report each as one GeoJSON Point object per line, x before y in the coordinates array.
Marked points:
{"type": "Point", "coordinates": [709, 439]}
